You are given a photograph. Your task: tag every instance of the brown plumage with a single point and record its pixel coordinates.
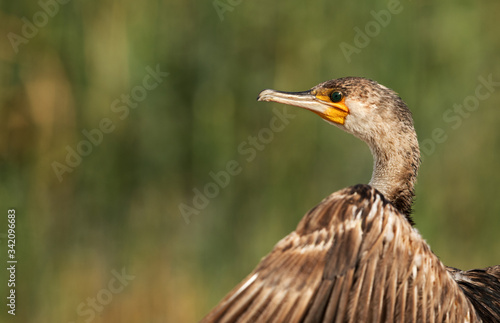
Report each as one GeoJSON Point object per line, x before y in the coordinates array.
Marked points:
{"type": "Point", "coordinates": [355, 257]}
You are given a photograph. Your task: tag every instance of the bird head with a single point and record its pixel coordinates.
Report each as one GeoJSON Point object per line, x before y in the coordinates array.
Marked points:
{"type": "Point", "coordinates": [357, 105]}
{"type": "Point", "coordinates": [376, 115]}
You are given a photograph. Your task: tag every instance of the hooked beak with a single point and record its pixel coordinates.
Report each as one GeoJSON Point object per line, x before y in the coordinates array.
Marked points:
{"type": "Point", "coordinates": [313, 100]}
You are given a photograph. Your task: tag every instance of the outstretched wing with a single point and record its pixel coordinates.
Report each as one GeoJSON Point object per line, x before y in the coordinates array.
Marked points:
{"type": "Point", "coordinates": [352, 258]}
{"type": "Point", "coordinates": [482, 288]}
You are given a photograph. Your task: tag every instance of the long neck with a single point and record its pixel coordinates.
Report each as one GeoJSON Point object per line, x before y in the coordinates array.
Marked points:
{"type": "Point", "coordinates": [395, 169]}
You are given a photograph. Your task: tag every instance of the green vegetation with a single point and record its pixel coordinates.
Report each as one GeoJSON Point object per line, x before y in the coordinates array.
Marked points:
{"type": "Point", "coordinates": [99, 146]}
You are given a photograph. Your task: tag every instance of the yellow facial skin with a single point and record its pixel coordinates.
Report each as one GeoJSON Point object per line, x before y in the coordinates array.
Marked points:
{"type": "Point", "coordinates": [336, 112]}
{"type": "Point", "coordinates": [317, 100]}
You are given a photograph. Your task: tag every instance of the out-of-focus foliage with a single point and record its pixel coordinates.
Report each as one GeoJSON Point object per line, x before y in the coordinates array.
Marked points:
{"type": "Point", "coordinates": [118, 208]}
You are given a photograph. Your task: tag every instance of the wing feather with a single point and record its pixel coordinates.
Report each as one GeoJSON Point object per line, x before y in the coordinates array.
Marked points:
{"type": "Point", "coordinates": [352, 258]}
{"type": "Point", "coordinates": [366, 291]}
{"type": "Point", "coordinates": [482, 287]}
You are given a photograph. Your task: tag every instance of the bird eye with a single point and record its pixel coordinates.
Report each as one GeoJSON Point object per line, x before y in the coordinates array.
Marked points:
{"type": "Point", "coordinates": [336, 96]}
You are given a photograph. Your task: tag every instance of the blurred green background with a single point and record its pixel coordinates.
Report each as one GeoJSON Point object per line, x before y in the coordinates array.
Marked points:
{"type": "Point", "coordinates": [118, 209]}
